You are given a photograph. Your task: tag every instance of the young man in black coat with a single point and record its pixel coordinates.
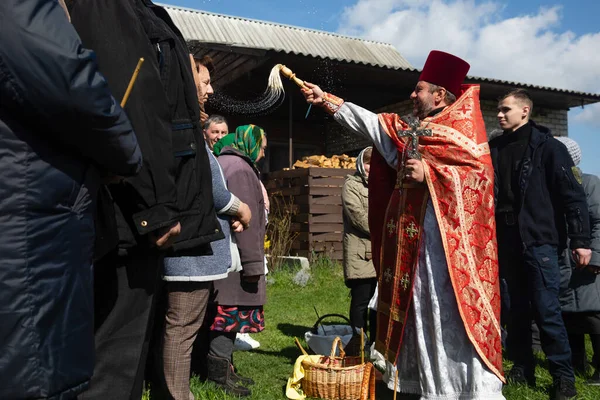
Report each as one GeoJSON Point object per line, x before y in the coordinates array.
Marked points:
{"type": "Point", "coordinates": [536, 191]}
{"type": "Point", "coordinates": [168, 207]}
{"type": "Point", "coordinates": [61, 133]}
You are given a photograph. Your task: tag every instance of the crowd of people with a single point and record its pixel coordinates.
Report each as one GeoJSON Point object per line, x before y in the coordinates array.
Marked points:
{"type": "Point", "coordinates": [134, 233]}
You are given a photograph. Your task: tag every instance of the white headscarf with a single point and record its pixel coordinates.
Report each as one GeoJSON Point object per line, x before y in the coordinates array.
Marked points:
{"type": "Point", "coordinates": [572, 147]}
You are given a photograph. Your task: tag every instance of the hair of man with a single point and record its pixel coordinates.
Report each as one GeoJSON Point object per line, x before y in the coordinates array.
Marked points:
{"type": "Point", "coordinates": [215, 119]}
{"type": "Point", "coordinates": [449, 98]}
{"type": "Point", "coordinates": [521, 96]}
{"type": "Point", "coordinates": [207, 62]}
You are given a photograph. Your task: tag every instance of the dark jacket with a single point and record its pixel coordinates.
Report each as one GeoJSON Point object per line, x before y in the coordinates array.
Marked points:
{"type": "Point", "coordinates": [549, 192]}
{"type": "Point", "coordinates": [60, 129]}
{"type": "Point", "coordinates": [580, 288]}
{"type": "Point", "coordinates": [242, 181]}
{"type": "Point", "coordinates": [175, 182]}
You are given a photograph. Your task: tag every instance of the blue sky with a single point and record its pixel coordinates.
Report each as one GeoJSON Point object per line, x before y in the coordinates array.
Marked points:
{"type": "Point", "coordinates": [557, 42]}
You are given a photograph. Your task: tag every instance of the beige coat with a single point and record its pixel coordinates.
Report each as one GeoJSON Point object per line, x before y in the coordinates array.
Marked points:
{"type": "Point", "coordinates": [357, 244]}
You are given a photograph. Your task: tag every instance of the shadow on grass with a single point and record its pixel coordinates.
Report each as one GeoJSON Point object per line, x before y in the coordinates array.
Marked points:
{"type": "Point", "coordinates": [293, 330]}
{"type": "Point", "coordinates": [290, 352]}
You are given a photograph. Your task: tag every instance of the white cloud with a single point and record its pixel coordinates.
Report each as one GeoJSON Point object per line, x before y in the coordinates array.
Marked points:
{"type": "Point", "coordinates": [590, 115]}
{"type": "Point", "coordinates": [528, 48]}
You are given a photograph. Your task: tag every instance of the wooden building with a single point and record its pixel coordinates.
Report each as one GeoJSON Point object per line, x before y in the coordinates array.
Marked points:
{"type": "Point", "coordinates": [371, 74]}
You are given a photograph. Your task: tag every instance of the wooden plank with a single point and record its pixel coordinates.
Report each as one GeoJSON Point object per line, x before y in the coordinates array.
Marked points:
{"type": "Point", "coordinates": [316, 209]}
{"type": "Point", "coordinates": [288, 173]}
{"type": "Point", "coordinates": [318, 218]}
{"type": "Point", "coordinates": [329, 172]}
{"type": "Point", "coordinates": [319, 237]}
{"type": "Point", "coordinates": [318, 200]}
{"type": "Point", "coordinates": [325, 218]}
{"type": "Point", "coordinates": [316, 228]}
{"type": "Point", "coordinates": [331, 181]}
{"type": "Point", "coordinates": [327, 200]}
{"type": "Point", "coordinates": [304, 190]}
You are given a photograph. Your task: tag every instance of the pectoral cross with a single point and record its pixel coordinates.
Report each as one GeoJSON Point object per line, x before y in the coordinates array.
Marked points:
{"type": "Point", "coordinates": [413, 134]}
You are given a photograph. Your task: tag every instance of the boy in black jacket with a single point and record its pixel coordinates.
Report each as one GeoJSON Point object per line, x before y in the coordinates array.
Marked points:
{"type": "Point", "coordinates": [536, 190]}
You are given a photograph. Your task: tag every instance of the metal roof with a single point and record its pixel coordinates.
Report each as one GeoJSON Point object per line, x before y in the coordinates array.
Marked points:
{"type": "Point", "coordinates": [531, 86]}
{"type": "Point", "coordinates": [196, 25]}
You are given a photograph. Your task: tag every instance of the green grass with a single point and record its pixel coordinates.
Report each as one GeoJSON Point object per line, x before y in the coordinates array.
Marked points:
{"type": "Point", "coordinates": [289, 312]}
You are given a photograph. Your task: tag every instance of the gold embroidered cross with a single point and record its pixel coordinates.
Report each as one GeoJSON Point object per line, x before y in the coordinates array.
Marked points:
{"type": "Point", "coordinates": [405, 281]}
{"type": "Point", "coordinates": [391, 226]}
{"type": "Point", "coordinates": [388, 275]}
{"type": "Point", "coordinates": [411, 230]}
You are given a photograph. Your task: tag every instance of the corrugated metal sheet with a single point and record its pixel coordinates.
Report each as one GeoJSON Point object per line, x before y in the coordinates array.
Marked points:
{"type": "Point", "coordinates": [530, 86]}
{"type": "Point", "coordinates": [209, 27]}
{"type": "Point", "coordinates": [241, 32]}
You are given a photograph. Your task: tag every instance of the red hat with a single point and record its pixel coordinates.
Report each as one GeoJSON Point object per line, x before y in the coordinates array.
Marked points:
{"type": "Point", "coordinates": [446, 70]}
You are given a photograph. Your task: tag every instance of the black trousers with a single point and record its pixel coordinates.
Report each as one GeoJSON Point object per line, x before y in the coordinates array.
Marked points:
{"type": "Point", "coordinates": [580, 361]}
{"type": "Point", "coordinates": [533, 278]}
{"type": "Point", "coordinates": [361, 291]}
{"type": "Point", "coordinates": [124, 288]}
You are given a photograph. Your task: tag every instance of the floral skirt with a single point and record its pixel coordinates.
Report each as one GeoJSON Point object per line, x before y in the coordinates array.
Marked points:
{"type": "Point", "coordinates": [241, 319]}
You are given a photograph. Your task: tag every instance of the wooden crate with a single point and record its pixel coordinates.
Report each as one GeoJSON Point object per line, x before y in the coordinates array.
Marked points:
{"type": "Point", "coordinates": [315, 195]}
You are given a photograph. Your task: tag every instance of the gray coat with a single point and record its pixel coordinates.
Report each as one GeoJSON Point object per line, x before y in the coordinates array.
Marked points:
{"type": "Point", "coordinates": [242, 181]}
{"type": "Point", "coordinates": [580, 289]}
{"type": "Point", "coordinates": [358, 263]}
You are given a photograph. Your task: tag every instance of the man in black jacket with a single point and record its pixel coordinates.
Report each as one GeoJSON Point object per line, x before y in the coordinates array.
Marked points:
{"type": "Point", "coordinates": [60, 132]}
{"type": "Point", "coordinates": [536, 190]}
{"type": "Point", "coordinates": [172, 192]}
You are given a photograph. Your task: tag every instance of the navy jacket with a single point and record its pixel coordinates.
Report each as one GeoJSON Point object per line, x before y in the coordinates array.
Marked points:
{"type": "Point", "coordinates": [549, 193]}
{"type": "Point", "coordinates": [60, 129]}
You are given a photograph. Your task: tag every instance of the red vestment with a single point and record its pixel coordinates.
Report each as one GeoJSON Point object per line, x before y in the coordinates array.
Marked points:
{"type": "Point", "coordinates": [459, 179]}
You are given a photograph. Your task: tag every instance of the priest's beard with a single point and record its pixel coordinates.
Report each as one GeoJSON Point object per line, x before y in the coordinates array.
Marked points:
{"type": "Point", "coordinates": [422, 108]}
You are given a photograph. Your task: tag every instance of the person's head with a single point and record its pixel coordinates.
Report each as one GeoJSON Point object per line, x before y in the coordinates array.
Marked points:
{"type": "Point", "coordinates": [514, 110]}
{"type": "Point", "coordinates": [204, 67]}
{"type": "Point", "coordinates": [215, 128]}
{"type": "Point", "coordinates": [363, 162]}
{"type": "Point", "coordinates": [572, 147]}
{"type": "Point", "coordinates": [251, 140]}
{"type": "Point", "coordinates": [427, 97]}
{"type": "Point", "coordinates": [439, 82]}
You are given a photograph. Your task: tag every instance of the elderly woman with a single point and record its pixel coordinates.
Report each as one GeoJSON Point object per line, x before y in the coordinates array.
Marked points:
{"type": "Point", "coordinates": [239, 299]}
{"type": "Point", "coordinates": [580, 288]}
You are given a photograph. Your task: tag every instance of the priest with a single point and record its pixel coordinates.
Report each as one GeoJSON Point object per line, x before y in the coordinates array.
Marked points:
{"type": "Point", "coordinates": [433, 235]}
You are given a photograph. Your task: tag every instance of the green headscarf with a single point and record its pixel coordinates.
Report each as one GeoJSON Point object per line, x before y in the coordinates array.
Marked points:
{"type": "Point", "coordinates": [225, 141]}
{"type": "Point", "coordinates": [246, 139]}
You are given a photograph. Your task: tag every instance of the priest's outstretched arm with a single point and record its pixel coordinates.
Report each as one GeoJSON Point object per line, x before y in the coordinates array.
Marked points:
{"type": "Point", "coordinates": [355, 118]}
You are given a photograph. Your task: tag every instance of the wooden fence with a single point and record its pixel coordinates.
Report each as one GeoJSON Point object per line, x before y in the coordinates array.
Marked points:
{"type": "Point", "coordinates": [315, 197]}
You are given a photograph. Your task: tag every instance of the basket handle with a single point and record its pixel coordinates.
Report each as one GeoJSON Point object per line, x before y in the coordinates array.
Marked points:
{"type": "Point", "coordinates": [300, 346]}
{"type": "Point", "coordinates": [337, 342]}
{"type": "Point", "coordinates": [315, 326]}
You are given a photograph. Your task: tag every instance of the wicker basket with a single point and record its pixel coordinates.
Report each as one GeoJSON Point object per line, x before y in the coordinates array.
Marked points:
{"type": "Point", "coordinates": [338, 378]}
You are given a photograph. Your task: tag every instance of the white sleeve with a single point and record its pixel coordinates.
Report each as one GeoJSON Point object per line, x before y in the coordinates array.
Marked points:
{"type": "Point", "coordinates": [366, 124]}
